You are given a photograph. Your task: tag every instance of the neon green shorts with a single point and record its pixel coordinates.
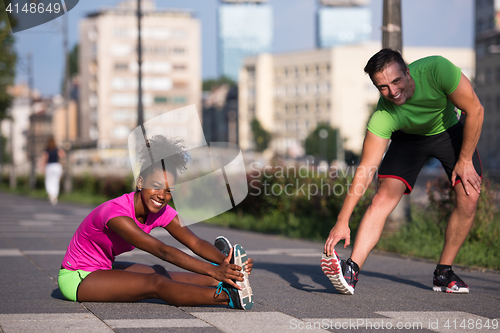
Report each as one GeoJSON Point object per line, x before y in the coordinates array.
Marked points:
{"type": "Point", "coordinates": [69, 281]}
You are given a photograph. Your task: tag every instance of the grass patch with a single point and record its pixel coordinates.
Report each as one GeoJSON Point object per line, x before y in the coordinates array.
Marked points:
{"type": "Point", "coordinates": [424, 239]}
{"type": "Point", "coordinates": [424, 236]}
{"type": "Point", "coordinates": [74, 197]}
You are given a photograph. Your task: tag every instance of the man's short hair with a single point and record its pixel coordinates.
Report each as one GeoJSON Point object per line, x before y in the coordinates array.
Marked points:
{"type": "Point", "coordinates": [383, 58]}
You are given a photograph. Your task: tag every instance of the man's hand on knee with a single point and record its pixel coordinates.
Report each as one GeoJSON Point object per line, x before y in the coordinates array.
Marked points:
{"type": "Point", "coordinates": [468, 175]}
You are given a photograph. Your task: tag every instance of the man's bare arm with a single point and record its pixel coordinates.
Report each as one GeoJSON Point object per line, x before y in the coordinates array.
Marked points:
{"type": "Point", "coordinates": [373, 150]}
{"type": "Point", "coordinates": [466, 100]}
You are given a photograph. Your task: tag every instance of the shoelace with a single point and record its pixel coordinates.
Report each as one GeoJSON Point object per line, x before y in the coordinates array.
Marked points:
{"type": "Point", "coordinates": [219, 290]}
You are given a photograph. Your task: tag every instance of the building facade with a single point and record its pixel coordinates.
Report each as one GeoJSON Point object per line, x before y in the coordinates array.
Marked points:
{"type": "Point", "coordinates": [15, 129]}
{"type": "Point", "coordinates": [220, 115]}
{"type": "Point", "coordinates": [342, 22]}
{"type": "Point", "coordinates": [171, 70]}
{"type": "Point", "coordinates": [291, 93]}
{"type": "Point", "coordinates": [245, 28]}
{"type": "Point", "coordinates": [487, 44]}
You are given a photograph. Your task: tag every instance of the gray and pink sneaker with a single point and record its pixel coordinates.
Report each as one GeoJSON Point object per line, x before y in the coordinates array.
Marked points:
{"type": "Point", "coordinates": [342, 273]}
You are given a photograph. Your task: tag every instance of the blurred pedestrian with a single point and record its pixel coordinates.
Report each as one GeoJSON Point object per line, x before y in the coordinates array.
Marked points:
{"type": "Point", "coordinates": [52, 168]}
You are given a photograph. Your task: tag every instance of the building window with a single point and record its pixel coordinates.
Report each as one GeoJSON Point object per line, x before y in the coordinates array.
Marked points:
{"type": "Point", "coordinates": [179, 67]}
{"type": "Point", "coordinates": [157, 83]}
{"type": "Point", "coordinates": [179, 34]}
{"type": "Point", "coordinates": [480, 77]}
{"type": "Point", "coordinates": [121, 50]}
{"type": "Point", "coordinates": [180, 84]}
{"type": "Point", "coordinates": [480, 50]}
{"type": "Point", "coordinates": [251, 72]}
{"type": "Point", "coordinates": [121, 66]}
{"type": "Point", "coordinates": [489, 76]}
{"type": "Point", "coordinates": [123, 115]}
{"type": "Point", "coordinates": [121, 132]}
{"type": "Point", "coordinates": [251, 92]}
{"type": "Point", "coordinates": [124, 83]}
{"type": "Point", "coordinates": [180, 99]}
{"type": "Point", "coordinates": [488, 103]}
{"type": "Point", "coordinates": [123, 100]}
{"type": "Point", "coordinates": [160, 99]}
{"type": "Point", "coordinates": [120, 33]}
{"type": "Point", "coordinates": [178, 50]}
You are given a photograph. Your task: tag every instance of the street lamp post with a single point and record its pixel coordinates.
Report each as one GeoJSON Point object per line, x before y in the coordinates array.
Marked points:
{"type": "Point", "coordinates": [323, 135]}
{"type": "Point", "coordinates": [391, 29]}
{"type": "Point", "coordinates": [140, 111]}
{"type": "Point", "coordinates": [31, 132]}
{"type": "Point", "coordinates": [392, 38]}
{"type": "Point", "coordinates": [67, 175]}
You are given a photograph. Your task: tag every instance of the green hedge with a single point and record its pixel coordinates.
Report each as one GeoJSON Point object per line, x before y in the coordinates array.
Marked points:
{"type": "Point", "coordinates": [424, 236]}
{"type": "Point", "coordinates": [87, 188]}
{"type": "Point", "coordinates": [297, 204]}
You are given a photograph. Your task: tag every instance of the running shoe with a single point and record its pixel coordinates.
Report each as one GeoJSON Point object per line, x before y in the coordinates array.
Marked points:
{"type": "Point", "coordinates": [245, 294]}
{"type": "Point", "coordinates": [223, 245]}
{"type": "Point", "coordinates": [235, 301]}
{"type": "Point", "coordinates": [342, 273]}
{"type": "Point", "coordinates": [449, 282]}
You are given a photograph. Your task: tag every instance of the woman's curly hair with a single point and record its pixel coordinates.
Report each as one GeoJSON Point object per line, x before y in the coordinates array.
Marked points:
{"type": "Point", "coordinates": [163, 153]}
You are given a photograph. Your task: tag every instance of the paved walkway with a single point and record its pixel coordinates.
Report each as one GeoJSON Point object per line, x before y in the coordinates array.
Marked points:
{"type": "Point", "coordinates": [291, 292]}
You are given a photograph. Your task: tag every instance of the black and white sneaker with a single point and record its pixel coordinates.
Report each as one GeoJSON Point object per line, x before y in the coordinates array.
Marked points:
{"type": "Point", "coordinates": [342, 273]}
{"type": "Point", "coordinates": [223, 245]}
{"type": "Point", "coordinates": [238, 299]}
{"type": "Point", "coordinates": [449, 282]}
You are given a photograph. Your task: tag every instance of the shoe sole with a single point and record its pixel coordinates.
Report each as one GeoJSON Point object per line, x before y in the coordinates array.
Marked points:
{"type": "Point", "coordinates": [223, 245]}
{"type": "Point", "coordinates": [451, 291]}
{"type": "Point", "coordinates": [330, 265]}
{"type": "Point", "coordinates": [246, 295]}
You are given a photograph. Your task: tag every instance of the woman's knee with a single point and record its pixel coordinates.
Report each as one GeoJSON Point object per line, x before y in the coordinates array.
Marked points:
{"type": "Point", "coordinates": [159, 269]}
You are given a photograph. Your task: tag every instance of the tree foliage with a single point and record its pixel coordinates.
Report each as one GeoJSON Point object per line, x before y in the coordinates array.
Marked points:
{"type": "Point", "coordinates": [211, 84]}
{"type": "Point", "coordinates": [8, 59]}
{"type": "Point", "coordinates": [261, 137]}
{"type": "Point", "coordinates": [322, 148]}
{"type": "Point", "coordinates": [73, 61]}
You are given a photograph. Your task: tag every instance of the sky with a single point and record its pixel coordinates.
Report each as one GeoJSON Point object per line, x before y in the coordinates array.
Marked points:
{"type": "Point", "coordinates": [443, 23]}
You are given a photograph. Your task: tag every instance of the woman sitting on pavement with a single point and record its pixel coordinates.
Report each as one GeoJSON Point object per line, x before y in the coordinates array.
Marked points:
{"type": "Point", "coordinates": [89, 272]}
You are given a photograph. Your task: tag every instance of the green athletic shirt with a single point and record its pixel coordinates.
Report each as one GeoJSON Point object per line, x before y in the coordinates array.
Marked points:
{"type": "Point", "coordinates": [428, 111]}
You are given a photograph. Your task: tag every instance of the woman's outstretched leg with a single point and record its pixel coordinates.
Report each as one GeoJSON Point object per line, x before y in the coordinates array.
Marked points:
{"type": "Point", "coordinates": [187, 277]}
{"type": "Point", "coordinates": [128, 286]}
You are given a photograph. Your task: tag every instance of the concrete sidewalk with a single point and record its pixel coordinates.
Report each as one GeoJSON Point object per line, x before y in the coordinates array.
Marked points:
{"type": "Point", "coordinates": [290, 289]}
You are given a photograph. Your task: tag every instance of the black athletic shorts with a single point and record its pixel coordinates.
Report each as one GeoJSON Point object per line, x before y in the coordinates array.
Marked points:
{"type": "Point", "coordinates": [408, 153]}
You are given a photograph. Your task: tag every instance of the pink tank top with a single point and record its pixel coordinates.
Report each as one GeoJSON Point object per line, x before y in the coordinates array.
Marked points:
{"type": "Point", "coordinates": [94, 246]}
